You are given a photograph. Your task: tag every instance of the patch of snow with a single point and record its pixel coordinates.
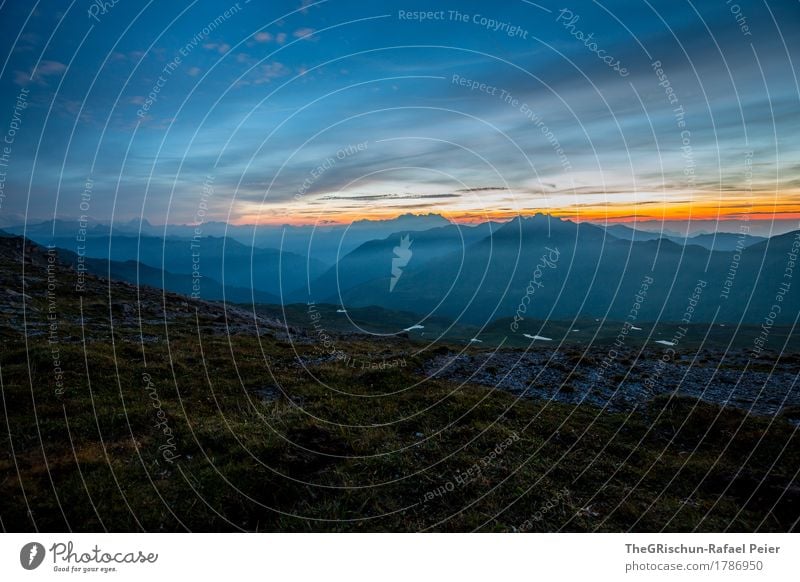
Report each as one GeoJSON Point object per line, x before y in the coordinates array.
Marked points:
{"type": "Point", "coordinates": [413, 327]}
{"type": "Point", "coordinates": [538, 337]}
{"type": "Point", "coordinates": [665, 343]}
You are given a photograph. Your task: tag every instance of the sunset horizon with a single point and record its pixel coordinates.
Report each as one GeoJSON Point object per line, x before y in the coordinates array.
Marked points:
{"type": "Point", "coordinates": [312, 267]}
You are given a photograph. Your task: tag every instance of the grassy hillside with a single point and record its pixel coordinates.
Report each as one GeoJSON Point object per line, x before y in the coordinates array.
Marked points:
{"type": "Point", "coordinates": [141, 410]}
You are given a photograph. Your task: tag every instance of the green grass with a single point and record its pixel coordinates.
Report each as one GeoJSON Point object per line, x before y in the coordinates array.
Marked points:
{"type": "Point", "coordinates": [262, 444]}
{"type": "Point", "coordinates": [344, 458]}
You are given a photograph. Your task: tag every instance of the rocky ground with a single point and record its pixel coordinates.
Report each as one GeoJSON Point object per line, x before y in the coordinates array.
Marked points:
{"type": "Point", "coordinates": [630, 379]}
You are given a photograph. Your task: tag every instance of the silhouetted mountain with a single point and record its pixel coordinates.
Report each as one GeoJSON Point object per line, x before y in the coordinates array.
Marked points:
{"type": "Point", "coordinates": [724, 241]}
{"type": "Point", "coordinates": [595, 275]}
{"type": "Point", "coordinates": [536, 268]}
{"type": "Point", "coordinates": [323, 242]}
{"type": "Point", "coordinates": [139, 274]}
{"type": "Point", "coordinates": [373, 260]}
{"type": "Point", "coordinates": [720, 241]}
{"type": "Point", "coordinates": [224, 260]}
{"type": "Point", "coordinates": [627, 233]}
{"type": "Point", "coordinates": [44, 232]}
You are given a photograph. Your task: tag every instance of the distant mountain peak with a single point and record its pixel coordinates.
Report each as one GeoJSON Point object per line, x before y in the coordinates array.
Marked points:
{"type": "Point", "coordinates": [429, 219]}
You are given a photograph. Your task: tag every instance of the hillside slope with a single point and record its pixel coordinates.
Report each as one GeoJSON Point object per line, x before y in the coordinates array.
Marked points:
{"type": "Point", "coordinates": [130, 409]}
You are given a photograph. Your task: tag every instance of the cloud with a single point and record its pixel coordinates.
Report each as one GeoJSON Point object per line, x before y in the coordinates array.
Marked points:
{"type": "Point", "coordinates": [388, 196]}
{"type": "Point", "coordinates": [47, 68]}
{"type": "Point", "coordinates": [42, 74]}
{"type": "Point", "coordinates": [481, 189]}
{"type": "Point", "coordinates": [270, 71]}
{"type": "Point", "coordinates": [304, 6]}
{"type": "Point", "coordinates": [27, 42]}
{"type": "Point", "coordinates": [221, 48]}
{"type": "Point", "coordinates": [305, 33]}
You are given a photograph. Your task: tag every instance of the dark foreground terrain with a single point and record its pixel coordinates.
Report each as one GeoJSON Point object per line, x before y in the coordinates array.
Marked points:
{"type": "Point", "coordinates": [127, 409]}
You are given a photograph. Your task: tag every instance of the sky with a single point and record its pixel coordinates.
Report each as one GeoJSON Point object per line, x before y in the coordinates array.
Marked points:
{"type": "Point", "coordinates": [671, 112]}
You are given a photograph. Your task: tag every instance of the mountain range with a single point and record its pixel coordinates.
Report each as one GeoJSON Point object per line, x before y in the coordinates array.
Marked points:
{"type": "Point", "coordinates": [537, 267]}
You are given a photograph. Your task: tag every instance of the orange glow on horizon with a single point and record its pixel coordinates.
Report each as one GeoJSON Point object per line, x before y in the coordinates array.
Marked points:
{"type": "Point", "coordinates": [678, 212]}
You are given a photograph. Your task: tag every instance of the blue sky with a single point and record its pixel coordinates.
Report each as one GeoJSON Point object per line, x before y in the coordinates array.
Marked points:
{"type": "Point", "coordinates": [258, 99]}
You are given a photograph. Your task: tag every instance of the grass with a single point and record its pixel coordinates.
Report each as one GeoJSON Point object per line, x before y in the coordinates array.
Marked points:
{"type": "Point", "coordinates": [335, 455]}
{"type": "Point", "coordinates": [263, 444]}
